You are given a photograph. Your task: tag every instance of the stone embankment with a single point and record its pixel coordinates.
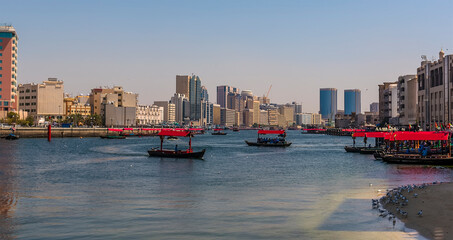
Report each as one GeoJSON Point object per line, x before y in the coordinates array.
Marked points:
{"type": "Point", "coordinates": [56, 132]}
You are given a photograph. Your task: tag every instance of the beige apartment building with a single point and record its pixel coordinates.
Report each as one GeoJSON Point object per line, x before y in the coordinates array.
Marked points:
{"type": "Point", "coordinates": [42, 101]}
{"type": "Point", "coordinates": [77, 105]}
{"type": "Point", "coordinates": [169, 110]}
{"type": "Point", "coordinates": [435, 92]}
{"type": "Point", "coordinates": [407, 100]}
{"type": "Point", "coordinates": [216, 114]}
{"type": "Point", "coordinates": [116, 96]}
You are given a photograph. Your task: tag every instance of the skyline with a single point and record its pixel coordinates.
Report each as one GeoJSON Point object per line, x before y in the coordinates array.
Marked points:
{"type": "Point", "coordinates": [249, 45]}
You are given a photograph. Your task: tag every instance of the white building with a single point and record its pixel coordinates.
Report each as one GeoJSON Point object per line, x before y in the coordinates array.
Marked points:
{"type": "Point", "coordinates": [149, 115]}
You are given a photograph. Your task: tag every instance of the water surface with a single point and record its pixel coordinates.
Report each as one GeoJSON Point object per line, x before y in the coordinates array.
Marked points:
{"type": "Point", "coordinates": [94, 188]}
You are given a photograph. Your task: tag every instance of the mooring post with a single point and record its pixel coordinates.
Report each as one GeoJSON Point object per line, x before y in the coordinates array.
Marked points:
{"type": "Point", "coordinates": [49, 132]}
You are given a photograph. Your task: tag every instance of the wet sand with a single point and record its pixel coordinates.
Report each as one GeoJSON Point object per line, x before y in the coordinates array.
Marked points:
{"type": "Point", "coordinates": [436, 203]}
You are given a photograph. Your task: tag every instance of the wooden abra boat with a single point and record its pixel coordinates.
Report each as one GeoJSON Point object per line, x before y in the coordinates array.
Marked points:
{"type": "Point", "coordinates": [218, 131]}
{"type": "Point", "coordinates": [107, 136]}
{"type": "Point", "coordinates": [280, 141]}
{"type": "Point", "coordinates": [436, 159]}
{"type": "Point", "coordinates": [11, 136]}
{"type": "Point", "coordinates": [189, 153]}
{"type": "Point", "coordinates": [113, 137]}
{"type": "Point", "coordinates": [352, 149]}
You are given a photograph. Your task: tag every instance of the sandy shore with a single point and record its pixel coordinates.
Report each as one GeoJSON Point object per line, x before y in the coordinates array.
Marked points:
{"type": "Point", "coordinates": [436, 203]}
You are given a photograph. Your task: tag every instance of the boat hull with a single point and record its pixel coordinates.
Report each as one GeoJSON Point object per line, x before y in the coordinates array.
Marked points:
{"type": "Point", "coordinates": [11, 137]}
{"type": "Point", "coordinates": [352, 149]}
{"type": "Point", "coordinates": [370, 150]}
{"type": "Point", "coordinates": [285, 144]}
{"type": "Point", "coordinates": [417, 159]}
{"type": "Point", "coordinates": [113, 137]}
{"type": "Point", "coordinates": [219, 133]}
{"type": "Point", "coordinates": [173, 154]}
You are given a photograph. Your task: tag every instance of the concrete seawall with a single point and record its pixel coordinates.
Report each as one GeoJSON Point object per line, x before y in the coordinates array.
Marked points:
{"type": "Point", "coordinates": [61, 132]}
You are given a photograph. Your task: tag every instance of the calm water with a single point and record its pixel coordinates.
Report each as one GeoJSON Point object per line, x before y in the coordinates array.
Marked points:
{"type": "Point", "coordinates": [95, 188]}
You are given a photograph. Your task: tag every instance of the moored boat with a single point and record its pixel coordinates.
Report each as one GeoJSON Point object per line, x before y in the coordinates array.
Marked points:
{"type": "Point", "coordinates": [352, 149]}
{"type": "Point", "coordinates": [113, 137]}
{"type": "Point", "coordinates": [11, 136]}
{"type": "Point", "coordinates": [109, 136]}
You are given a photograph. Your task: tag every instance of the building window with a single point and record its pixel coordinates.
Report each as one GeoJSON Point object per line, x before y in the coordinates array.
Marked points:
{"type": "Point", "coordinates": [1, 40]}
{"type": "Point", "coordinates": [1, 61]}
{"type": "Point", "coordinates": [1, 47]}
{"type": "Point", "coordinates": [5, 103]}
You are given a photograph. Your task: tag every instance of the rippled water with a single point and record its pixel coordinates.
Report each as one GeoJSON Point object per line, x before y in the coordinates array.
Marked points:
{"type": "Point", "coordinates": [96, 188]}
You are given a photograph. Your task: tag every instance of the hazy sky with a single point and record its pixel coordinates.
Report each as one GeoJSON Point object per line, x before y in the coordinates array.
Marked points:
{"type": "Point", "coordinates": [297, 46]}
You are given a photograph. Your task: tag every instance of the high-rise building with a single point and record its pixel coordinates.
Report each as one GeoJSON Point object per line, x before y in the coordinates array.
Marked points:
{"type": "Point", "coordinates": [204, 94]}
{"type": "Point", "coordinates": [8, 69]}
{"type": "Point", "coordinates": [328, 103]}
{"type": "Point", "coordinates": [222, 94]}
{"type": "Point", "coordinates": [352, 101]}
{"type": "Point", "coordinates": [374, 107]}
{"type": "Point", "coordinates": [195, 98]}
{"type": "Point", "coordinates": [182, 84]}
{"type": "Point", "coordinates": [180, 100]}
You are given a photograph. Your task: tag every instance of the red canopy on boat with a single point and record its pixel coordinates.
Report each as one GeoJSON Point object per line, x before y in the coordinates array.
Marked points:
{"type": "Point", "coordinates": [271, 131]}
{"type": "Point", "coordinates": [218, 129]}
{"type": "Point", "coordinates": [314, 129]}
{"type": "Point", "coordinates": [375, 134]}
{"type": "Point", "coordinates": [128, 129]}
{"type": "Point", "coordinates": [353, 130]}
{"type": "Point", "coordinates": [174, 133]}
{"type": "Point", "coordinates": [114, 130]}
{"type": "Point", "coordinates": [151, 129]}
{"type": "Point", "coordinates": [421, 136]}
{"type": "Point", "coordinates": [196, 129]}
{"type": "Point", "coordinates": [358, 134]}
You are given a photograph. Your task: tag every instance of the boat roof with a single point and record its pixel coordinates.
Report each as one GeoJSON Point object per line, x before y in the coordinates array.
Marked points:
{"type": "Point", "coordinates": [405, 135]}
{"type": "Point", "coordinates": [174, 133]}
{"type": "Point", "coordinates": [271, 131]}
{"type": "Point", "coordinates": [114, 130]}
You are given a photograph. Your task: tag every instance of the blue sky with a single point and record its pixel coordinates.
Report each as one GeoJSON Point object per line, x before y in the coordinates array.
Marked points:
{"type": "Point", "coordinates": [297, 46]}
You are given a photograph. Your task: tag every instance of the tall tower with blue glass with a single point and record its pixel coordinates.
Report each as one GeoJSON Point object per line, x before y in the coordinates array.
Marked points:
{"type": "Point", "coordinates": [195, 98]}
{"type": "Point", "coordinates": [352, 101]}
{"type": "Point", "coordinates": [328, 103]}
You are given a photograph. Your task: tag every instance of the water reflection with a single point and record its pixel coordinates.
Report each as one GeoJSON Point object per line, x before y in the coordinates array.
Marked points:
{"type": "Point", "coordinates": [175, 183]}
{"type": "Point", "coordinates": [8, 196]}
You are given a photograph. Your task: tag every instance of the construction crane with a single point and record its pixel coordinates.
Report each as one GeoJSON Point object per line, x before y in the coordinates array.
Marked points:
{"type": "Point", "coordinates": [268, 91]}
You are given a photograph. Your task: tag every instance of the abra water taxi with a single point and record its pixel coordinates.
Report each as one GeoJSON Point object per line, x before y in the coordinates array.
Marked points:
{"type": "Point", "coordinates": [188, 153]}
{"type": "Point", "coordinates": [218, 131]}
{"type": "Point", "coordinates": [279, 141]}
